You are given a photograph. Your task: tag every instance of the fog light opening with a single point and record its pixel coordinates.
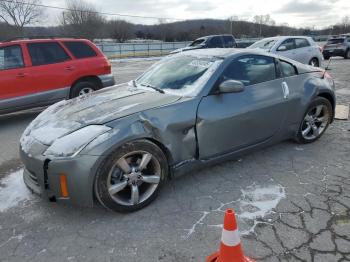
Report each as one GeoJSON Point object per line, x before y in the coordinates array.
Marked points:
{"type": "Point", "coordinates": [64, 186]}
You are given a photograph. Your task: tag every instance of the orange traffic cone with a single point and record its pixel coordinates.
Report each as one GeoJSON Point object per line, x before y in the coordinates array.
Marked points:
{"type": "Point", "coordinates": [230, 246]}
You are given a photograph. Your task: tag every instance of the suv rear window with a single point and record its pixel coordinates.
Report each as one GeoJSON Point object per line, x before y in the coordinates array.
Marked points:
{"type": "Point", "coordinates": [11, 57]}
{"type": "Point", "coordinates": [47, 53]}
{"type": "Point", "coordinates": [335, 41]}
{"type": "Point", "coordinates": [80, 49]}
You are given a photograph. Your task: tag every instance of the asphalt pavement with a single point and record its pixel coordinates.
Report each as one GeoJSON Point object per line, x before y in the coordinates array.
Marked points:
{"type": "Point", "coordinates": [292, 202]}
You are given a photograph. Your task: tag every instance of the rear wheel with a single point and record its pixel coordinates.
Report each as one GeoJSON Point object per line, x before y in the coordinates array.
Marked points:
{"type": "Point", "coordinates": [326, 57]}
{"type": "Point", "coordinates": [314, 62]}
{"type": "Point", "coordinates": [347, 54]}
{"type": "Point", "coordinates": [131, 177]}
{"type": "Point", "coordinates": [316, 120]}
{"type": "Point", "coordinates": [83, 88]}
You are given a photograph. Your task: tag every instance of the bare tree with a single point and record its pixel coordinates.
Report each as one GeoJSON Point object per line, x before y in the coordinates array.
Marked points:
{"type": "Point", "coordinates": [262, 20]}
{"type": "Point", "coordinates": [82, 19]}
{"type": "Point", "coordinates": [19, 13]}
{"type": "Point", "coordinates": [120, 30]}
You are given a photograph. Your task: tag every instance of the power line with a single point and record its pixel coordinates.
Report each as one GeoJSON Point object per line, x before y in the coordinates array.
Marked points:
{"type": "Point", "coordinates": [87, 11]}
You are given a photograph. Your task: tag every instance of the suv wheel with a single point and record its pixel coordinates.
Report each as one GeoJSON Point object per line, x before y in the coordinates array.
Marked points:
{"type": "Point", "coordinates": [131, 177]}
{"type": "Point", "coordinates": [316, 120]}
{"type": "Point", "coordinates": [347, 54]}
{"type": "Point", "coordinates": [83, 88]}
{"type": "Point", "coordinates": [314, 62]}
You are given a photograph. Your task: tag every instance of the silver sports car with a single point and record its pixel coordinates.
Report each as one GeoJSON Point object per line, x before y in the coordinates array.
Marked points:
{"type": "Point", "coordinates": [119, 145]}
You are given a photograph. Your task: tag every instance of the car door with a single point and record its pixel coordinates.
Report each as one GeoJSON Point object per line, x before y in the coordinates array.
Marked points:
{"type": "Point", "coordinates": [51, 70]}
{"type": "Point", "coordinates": [231, 121]}
{"type": "Point", "coordinates": [304, 51]}
{"type": "Point", "coordinates": [287, 49]}
{"type": "Point", "coordinates": [14, 76]}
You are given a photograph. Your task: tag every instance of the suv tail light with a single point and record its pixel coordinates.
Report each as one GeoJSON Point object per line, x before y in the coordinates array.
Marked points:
{"type": "Point", "coordinates": [108, 67]}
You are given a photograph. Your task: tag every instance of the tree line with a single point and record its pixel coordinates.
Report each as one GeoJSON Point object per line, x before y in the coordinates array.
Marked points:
{"type": "Point", "coordinates": [82, 19]}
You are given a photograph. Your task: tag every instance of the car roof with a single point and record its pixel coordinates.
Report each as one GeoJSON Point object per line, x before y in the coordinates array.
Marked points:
{"type": "Point", "coordinates": [224, 52]}
{"type": "Point", "coordinates": [286, 37]}
{"type": "Point", "coordinates": [211, 36]}
{"type": "Point", "coordinates": [39, 40]}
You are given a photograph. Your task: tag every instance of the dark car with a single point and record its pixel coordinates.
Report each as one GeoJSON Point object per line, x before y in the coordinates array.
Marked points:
{"type": "Point", "coordinates": [120, 144]}
{"type": "Point", "coordinates": [339, 46]}
{"type": "Point", "coordinates": [211, 41]}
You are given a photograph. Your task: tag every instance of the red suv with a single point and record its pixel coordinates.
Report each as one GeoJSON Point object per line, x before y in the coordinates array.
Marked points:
{"type": "Point", "coordinates": [40, 72]}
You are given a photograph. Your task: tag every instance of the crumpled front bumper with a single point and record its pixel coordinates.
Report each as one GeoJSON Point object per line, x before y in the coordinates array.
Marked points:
{"type": "Point", "coordinates": [42, 176]}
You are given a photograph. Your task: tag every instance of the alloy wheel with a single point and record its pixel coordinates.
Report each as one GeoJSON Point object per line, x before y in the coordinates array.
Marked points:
{"type": "Point", "coordinates": [314, 62]}
{"type": "Point", "coordinates": [315, 122]}
{"type": "Point", "coordinates": [85, 91]}
{"type": "Point", "coordinates": [134, 178]}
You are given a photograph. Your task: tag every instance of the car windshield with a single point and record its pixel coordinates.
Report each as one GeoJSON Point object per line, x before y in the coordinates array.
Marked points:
{"type": "Point", "coordinates": [264, 44]}
{"type": "Point", "coordinates": [197, 42]}
{"type": "Point", "coordinates": [335, 41]}
{"type": "Point", "coordinates": [180, 75]}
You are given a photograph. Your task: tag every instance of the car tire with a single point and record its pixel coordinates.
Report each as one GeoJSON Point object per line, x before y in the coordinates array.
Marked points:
{"type": "Point", "coordinates": [315, 122]}
{"type": "Point", "coordinates": [314, 62]}
{"type": "Point", "coordinates": [116, 189]}
{"type": "Point", "coordinates": [326, 57]}
{"type": "Point", "coordinates": [83, 88]}
{"type": "Point", "coordinates": [347, 54]}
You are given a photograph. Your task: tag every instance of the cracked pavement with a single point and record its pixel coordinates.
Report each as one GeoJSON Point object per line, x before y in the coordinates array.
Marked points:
{"type": "Point", "coordinates": [292, 202]}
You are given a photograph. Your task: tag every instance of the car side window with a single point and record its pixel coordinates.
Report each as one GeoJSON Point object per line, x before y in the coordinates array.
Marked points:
{"type": "Point", "coordinates": [215, 42]}
{"type": "Point", "coordinates": [251, 69]}
{"type": "Point", "coordinates": [228, 41]}
{"type": "Point", "coordinates": [11, 57]}
{"type": "Point", "coordinates": [301, 42]}
{"type": "Point", "coordinates": [289, 44]}
{"type": "Point", "coordinates": [80, 49]}
{"type": "Point", "coordinates": [287, 69]}
{"type": "Point", "coordinates": [47, 53]}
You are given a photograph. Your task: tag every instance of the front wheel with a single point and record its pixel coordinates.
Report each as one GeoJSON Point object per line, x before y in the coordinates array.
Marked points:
{"type": "Point", "coordinates": [347, 54]}
{"type": "Point", "coordinates": [316, 120]}
{"type": "Point", "coordinates": [131, 177]}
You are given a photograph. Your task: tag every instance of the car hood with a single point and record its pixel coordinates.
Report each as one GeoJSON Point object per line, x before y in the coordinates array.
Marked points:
{"type": "Point", "coordinates": [186, 49]}
{"type": "Point", "coordinates": [94, 109]}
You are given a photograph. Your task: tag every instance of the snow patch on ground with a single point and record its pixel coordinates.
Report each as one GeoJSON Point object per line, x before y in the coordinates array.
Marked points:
{"type": "Point", "coordinates": [258, 201]}
{"type": "Point", "coordinates": [255, 202]}
{"type": "Point", "coordinates": [13, 190]}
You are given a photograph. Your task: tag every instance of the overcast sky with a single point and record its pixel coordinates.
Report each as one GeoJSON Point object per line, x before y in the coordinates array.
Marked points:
{"type": "Point", "coordinates": [299, 13]}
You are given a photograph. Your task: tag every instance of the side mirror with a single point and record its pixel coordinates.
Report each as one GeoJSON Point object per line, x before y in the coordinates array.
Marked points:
{"type": "Point", "coordinates": [231, 86]}
{"type": "Point", "coordinates": [282, 48]}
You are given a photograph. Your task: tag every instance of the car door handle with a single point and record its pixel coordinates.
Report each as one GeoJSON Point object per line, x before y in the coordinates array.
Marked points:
{"type": "Point", "coordinates": [21, 75]}
{"type": "Point", "coordinates": [285, 89]}
{"type": "Point", "coordinates": [70, 68]}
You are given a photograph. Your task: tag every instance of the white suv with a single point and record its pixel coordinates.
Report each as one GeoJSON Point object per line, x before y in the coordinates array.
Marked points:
{"type": "Point", "coordinates": [299, 48]}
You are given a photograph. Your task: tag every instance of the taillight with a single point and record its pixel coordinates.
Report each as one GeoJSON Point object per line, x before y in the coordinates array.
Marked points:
{"type": "Point", "coordinates": [108, 67]}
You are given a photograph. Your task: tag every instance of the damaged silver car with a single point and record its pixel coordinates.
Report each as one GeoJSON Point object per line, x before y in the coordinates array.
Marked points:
{"type": "Point", "coordinates": [119, 145]}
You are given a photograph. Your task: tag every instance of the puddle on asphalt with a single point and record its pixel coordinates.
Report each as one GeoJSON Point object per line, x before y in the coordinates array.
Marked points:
{"type": "Point", "coordinates": [13, 190]}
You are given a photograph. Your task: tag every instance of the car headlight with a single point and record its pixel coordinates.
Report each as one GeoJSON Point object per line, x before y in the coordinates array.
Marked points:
{"type": "Point", "coordinates": [73, 143]}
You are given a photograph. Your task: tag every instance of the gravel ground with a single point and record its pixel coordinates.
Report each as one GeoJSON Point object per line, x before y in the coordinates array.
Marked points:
{"type": "Point", "coordinates": [292, 202]}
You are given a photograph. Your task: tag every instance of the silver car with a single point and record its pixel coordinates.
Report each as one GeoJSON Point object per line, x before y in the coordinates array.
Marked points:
{"type": "Point", "coordinates": [299, 48]}
{"type": "Point", "coordinates": [119, 145]}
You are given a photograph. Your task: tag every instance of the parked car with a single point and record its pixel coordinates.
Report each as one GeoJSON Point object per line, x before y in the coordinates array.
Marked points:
{"type": "Point", "coordinates": [195, 108]}
{"type": "Point", "coordinates": [299, 48]}
{"type": "Point", "coordinates": [211, 41]}
{"type": "Point", "coordinates": [339, 46]}
{"type": "Point", "coordinates": [40, 72]}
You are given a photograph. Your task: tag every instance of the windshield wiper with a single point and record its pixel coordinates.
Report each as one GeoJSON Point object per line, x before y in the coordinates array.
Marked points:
{"type": "Point", "coordinates": [155, 88]}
